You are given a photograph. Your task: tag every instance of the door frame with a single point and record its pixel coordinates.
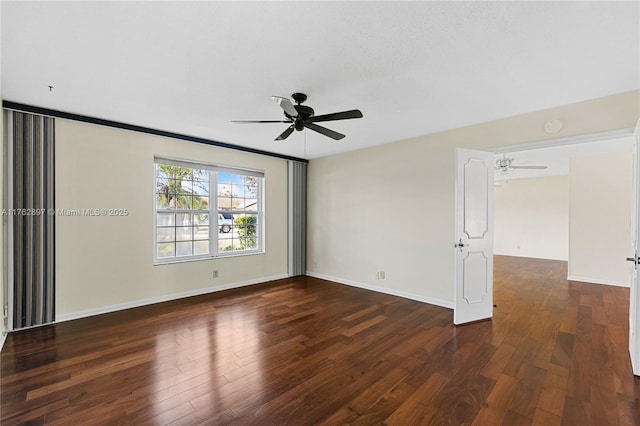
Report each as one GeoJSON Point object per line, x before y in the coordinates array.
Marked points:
{"type": "Point", "coordinates": [634, 317]}
{"type": "Point", "coordinates": [568, 140]}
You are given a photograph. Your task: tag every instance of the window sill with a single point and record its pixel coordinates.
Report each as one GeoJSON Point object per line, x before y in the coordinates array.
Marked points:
{"type": "Point", "coordinates": [199, 259]}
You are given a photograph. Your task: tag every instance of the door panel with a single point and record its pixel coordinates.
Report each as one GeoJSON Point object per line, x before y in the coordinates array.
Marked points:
{"type": "Point", "coordinates": [475, 268]}
{"type": "Point", "coordinates": [474, 236]}
{"type": "Point", "coordinates": [475, 199]}
{"type": "Point", "coordinates": [634, 315]}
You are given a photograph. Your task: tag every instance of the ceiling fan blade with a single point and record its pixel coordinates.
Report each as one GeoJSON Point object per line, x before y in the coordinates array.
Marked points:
{"type": "Point", "coordinates": [286, 105]}
{"type": "Point", "coordinates": [286, 133]}
{"type": "Point", "coordinates": [324, 131]}
{"type": "Point", "coordinates": [529, 167]}
{"type": "Point", "coordinates": [261, 121]}
{"type": "Point", "coordinates": [344, 115]}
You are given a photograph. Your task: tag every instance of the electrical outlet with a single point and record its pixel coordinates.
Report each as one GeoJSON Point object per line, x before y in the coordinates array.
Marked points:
{"type": "Point", "coordinates": [382, 275]}
{"type": "Point", "coordinates": [215, 273]}
{"type": "Point", "coordinates": [377, 275]}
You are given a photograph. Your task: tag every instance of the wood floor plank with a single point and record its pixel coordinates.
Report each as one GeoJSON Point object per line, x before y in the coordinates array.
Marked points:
{"type": "Point", "coordinates": [545, 418]}
{"type": "Point", "coordinates": [310, 351]}
{"type": "Point", "coordinates": [417, 406]}
{"type": "Point", "coordinates": [552, 395]}
{"type": "Point", "coordinates": [489, 416]}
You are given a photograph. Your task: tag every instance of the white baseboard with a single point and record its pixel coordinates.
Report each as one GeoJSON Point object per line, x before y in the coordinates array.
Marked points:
{"type": "Point", "coordinates": [165, 298]}
{"type": "Point", "coordinates": [3, 338]}
{"type": "Point", "coordinates": [385, 290]}
{"type": "Point", "coordinates": [598, 281]}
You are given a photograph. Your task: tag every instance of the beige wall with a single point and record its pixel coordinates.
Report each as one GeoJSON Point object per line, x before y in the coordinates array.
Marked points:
{"type": "Point", "coordinates": [600, 218]}
{"type": "Point", "coordinates": [103, 263]}
{"type": "Point", "coordinates": [391, 207]}
{"type": "Point", "coordinates": [532, 218]}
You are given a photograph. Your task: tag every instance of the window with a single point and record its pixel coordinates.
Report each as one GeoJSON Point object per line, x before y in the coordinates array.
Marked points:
{"type": "Point", "coordinates": [193, 224]}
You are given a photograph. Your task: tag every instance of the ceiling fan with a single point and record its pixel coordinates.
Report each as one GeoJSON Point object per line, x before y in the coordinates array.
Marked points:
{"type": "Point", "coordinates": [504, 164]}
{"type": "Point", "coordinates": [301, 116]}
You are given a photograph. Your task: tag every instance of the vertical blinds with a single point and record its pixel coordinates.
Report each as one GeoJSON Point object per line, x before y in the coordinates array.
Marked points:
{"type": "Point", "coordinates": [297, 218]}
{"type": "Point", "coordinates": [31, 204]}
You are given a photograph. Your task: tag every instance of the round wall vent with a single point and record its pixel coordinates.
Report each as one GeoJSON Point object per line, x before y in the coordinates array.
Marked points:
{"type": "Point", "coordinates": [553, 126]}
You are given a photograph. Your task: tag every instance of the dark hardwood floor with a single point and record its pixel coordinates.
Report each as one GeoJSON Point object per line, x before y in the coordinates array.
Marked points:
{"type": "Point", "coordinates": [306, 351]}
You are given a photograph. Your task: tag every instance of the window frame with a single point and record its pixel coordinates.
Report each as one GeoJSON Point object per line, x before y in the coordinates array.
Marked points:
{"type": "Point", "coordinates": [212, 211]}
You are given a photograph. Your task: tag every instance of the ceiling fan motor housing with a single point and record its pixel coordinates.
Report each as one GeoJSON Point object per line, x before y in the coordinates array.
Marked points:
{"type": "Point", "coordinates": [304, 112]}
{"type": "Point", "coordinates": [299, 97]}
{"type": "Point", "coordinates": [504, 162]}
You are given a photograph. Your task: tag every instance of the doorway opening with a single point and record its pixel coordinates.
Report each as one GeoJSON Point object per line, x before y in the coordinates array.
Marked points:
{"type": "Point", "coordinates": [569, 202]}
{"type": "Point", "coordinates": [594, 172]}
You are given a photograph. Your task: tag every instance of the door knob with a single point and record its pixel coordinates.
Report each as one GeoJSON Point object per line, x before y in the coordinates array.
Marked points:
{"type": "Point", "coordinates": [460, 244]}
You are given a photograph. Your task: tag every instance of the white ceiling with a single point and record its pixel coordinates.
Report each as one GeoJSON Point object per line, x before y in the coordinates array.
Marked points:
{"type": "Point", "coordinates": [413, 68]}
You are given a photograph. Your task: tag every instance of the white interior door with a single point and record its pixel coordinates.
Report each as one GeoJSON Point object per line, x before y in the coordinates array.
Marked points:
{"type": "Point", "coordinates": [634, 302]}
{"type": "Point", "coordinates": [474, 236]}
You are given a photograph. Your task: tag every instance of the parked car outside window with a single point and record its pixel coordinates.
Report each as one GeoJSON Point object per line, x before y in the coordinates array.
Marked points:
{"type": "Point", "coordinates": [225, 222]}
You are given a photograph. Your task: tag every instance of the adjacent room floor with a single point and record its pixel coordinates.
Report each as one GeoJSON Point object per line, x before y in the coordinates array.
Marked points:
{"type": "Point", "coordinates": [306, 351]}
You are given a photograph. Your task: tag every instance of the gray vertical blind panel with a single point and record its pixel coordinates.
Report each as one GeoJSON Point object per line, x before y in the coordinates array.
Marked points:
{"type": "Point", "coordinates": [297, 218]}
{"type": "Point", "coordinates": [33, 226]}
